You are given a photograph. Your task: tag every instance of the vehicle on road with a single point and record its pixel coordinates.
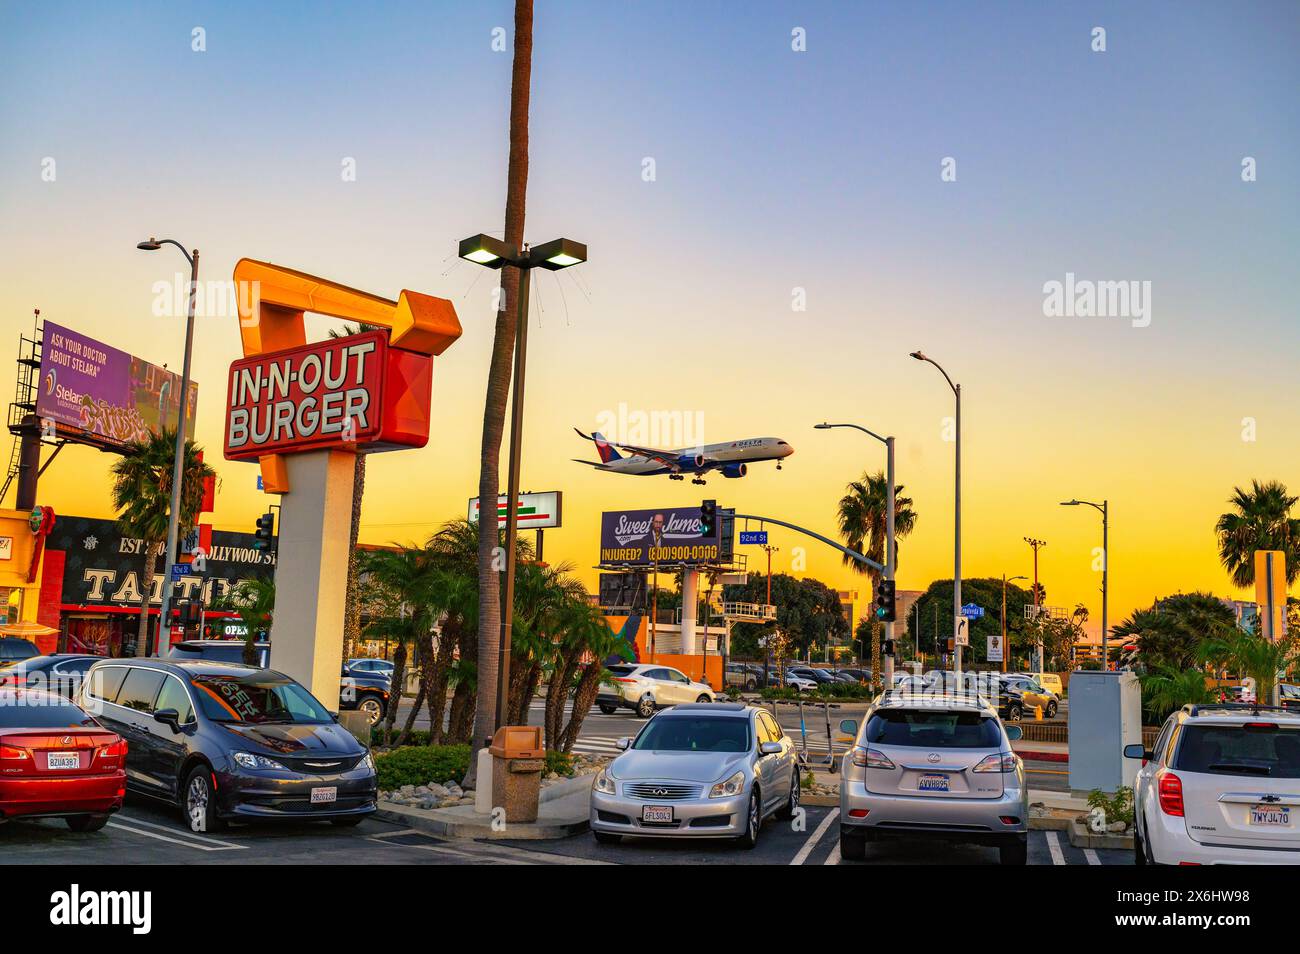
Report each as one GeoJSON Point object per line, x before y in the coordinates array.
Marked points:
{"type": "Point", "coordinates": [1048, 680]}
{"type": "Point", "coordinates": [801, 683]}
{"type": "Point", "coordinates": [698, 771]}
{"type": "Point", "coordinates": [366, 692]}
{"type": "Point", "coordinates": [1220, 786]}
{"type": "Point", "coordinates": [379, 666]}
{"type": "Point", "coordinates": [851, 674]}
{"type": "Point", "coordinates": [61, 673]}
{"type": "Point", "coordinates": [1033, 694]}
{"type": "Point", "coordinates": [746, 676]}
{"type": "Point", "coordinates": [819, 676]}
{"type": "Point", "coordinates": [644, 688]}
{"type": "Point", "coordinates": [14, 649]}
{"type": "Point", "coordinates": [928, 766]}
{"type": "Point", "coordinates": [56, 761]}
{"type": "Point", "coordinates": [224, 741]}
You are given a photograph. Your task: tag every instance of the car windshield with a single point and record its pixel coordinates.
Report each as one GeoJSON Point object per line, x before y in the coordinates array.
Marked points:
{"type": "Point", "coordinates": [41, 711]}
{"type": "Point", "coordinates": [695, 734]}
{"type": "Point", "coordinates": [1261, 749]}
{"type": "Point", "coordinates": [257, 698]}
{"type": "Point", "coordinates": [933, 729]}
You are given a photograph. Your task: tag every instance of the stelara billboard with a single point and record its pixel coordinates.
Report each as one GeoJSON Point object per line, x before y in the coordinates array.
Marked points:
{"type": "Point", "coordinates": [664, 535]}
{"type": "Point", "coordinates": [352, 393]}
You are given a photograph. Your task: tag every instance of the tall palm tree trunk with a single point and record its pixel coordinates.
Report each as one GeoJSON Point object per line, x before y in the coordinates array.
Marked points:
{"type": "Point", "coordinates": [437, 698]}
{"type": "Point", "coordinates": [352, 604]}
{"type": "Point", "coordinates": [494, 411]}
{"type": "Point", "coordinates": [146, 594]}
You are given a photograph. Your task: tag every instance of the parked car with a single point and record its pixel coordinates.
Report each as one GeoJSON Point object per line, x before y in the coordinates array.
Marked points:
{"type": "Point", "coordinates": [928, 766]}
{"type": "Point", "coordinates": [801, 683]}
{"type": "Point", "coordinates": [366, 692]}
{"type": "Point", "coordinates": [379, 666]}
{"type": "Point", "coordinates": [56, 761]}
{"type": "Point", "coordinates": [1220, 786]}
{"type": "Point", "coordinates": [853, 674]}
{"type": "Point", "coordinates": [1048, 680]}
{"type": "Point", "coordinates": [61, 673]}
{"type": "Point", "coordinates": [1289, 695]}
{"type": "Point", "coordinates": [819, 676]}
{"type": "Point", "coordinates": [698, 771]}
{"type": "Point", "coordinates": [225, 741]}
{"type": "Point", "coordinates": [643, 688]}
{"type": "Point", "coordinates": [1033, 695]}
{"type": "Point", "coordinates": [746, 676]}
{"type": "Point", "coordinates": [13, 649]}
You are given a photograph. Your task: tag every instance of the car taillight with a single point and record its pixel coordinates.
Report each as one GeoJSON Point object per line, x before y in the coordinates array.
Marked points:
{"type": "Point", "coordinates": [12, 752]}
{"type": "Point", "coordinates": [1170, 788]}
{"type": "Point", "coordinates": [998, 762]}
{"type": "Point", "coordinates": [870, 758]}
{"type": "Point", "coordinates": [113, 750]}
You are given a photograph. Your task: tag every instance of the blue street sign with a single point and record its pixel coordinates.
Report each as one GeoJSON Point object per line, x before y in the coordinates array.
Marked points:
{"type": "Point", "coordinates": [259, 481]}
{"type": "Point", "coordinates": [757, 537]}
{"type": "Point", "coordinates": [972, 611]}
{"type": "Point", "coordinates": [181, 569]}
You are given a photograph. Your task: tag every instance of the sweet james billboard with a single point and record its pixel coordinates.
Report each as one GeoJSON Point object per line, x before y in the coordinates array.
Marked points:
{"type": "Point", "coordinates": [664, 535]}
{"type": "Point", "coordinates": [100, 395]}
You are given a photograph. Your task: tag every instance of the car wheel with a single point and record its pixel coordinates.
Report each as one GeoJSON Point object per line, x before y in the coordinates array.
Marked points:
{"type": "Point", "coordinates": [608, 710]}
{"type": "Point", "coordinates": [1051, 710]}
{"type": "Point", "coordinates": [199, 801]}
{"type": "Point", "coordinates": [792, 805]}
{"type": "Point", "coordinates": [1014, 852]}
{"type": "Point", "coordinates": [87, 822]}
{"type": "Point", "coordinates": [607, 838]}
{"type": "Point", "coordinates": [753, 822]}
{"type": "Point", "coordinates": [853, 844]}
{"type": "Point", "coordinates": [646, 707]}
{"type": "Point", "coordinates": [350, 821]}
{"type": "Point", "coordinates": [704, 697]}
{"type": "Point", "coordinates": [372, 707]}
{"type": "Point", "coordinates": [1014, 714]}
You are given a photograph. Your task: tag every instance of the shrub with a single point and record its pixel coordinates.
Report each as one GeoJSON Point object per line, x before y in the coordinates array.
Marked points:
{"type": "Point", "coordinates": [1117, 807]}
{"type": "Point", "coordinates": [561, 763]}
{"type": "Point", "coordinates": [422, 764]}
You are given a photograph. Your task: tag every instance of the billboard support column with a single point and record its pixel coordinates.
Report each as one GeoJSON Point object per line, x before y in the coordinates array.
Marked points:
{"type": "Point", "coordinates": [311, 563]}
{"type": "Point", "coordinates": [690, 587]}
{"type": "Point", "coordinates": [29, 463]}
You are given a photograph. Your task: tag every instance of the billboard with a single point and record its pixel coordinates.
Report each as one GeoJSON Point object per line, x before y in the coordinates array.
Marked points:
{"type": "Point", "coordinates": [627, 538]}
{"type": "Point", "coordinates": [534, 511]}
{"type": "Point", "coordinates": [99, 395]}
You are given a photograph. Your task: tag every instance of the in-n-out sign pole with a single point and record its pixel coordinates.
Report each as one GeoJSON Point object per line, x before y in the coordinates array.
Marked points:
{"type": "Point", "coordinates": [303, 411]}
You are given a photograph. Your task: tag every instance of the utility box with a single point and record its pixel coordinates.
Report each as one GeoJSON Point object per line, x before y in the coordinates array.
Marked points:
{"type": "Point", "coordinates": [1105, 715]}
{"type": "Point", "coordinates": [518, 759]}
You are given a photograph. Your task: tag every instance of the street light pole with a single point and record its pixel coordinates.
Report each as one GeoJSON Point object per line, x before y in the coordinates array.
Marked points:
{"type": "Point", "coordinates": [1005, 653]}
{"type": "Point", "coordinates": [956, 572]}
{"type": "Point", "coordinates": [891, 543]}
{"type": "Point", "coordinates": [1038, 643]}
{"type": "Point", "coordinates": [173, 518]}
{"type": "Point", "coordinates": [1104, 509]}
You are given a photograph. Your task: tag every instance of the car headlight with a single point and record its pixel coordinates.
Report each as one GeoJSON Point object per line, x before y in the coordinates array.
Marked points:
{"type": "Point", "coordinates": [368, 761]}
{"type": "Point", "coordinates": [731, 787]}
{"type": "Point", "coordinates": [250, 760]}
{"type": "Point", "coordinates": [605, 782]}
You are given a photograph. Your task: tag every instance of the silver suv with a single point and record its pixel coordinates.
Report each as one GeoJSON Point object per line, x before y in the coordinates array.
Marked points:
{"type": "Point", "coordinates": [643, 688]}
{"type": "Point", "coordinates": [933, 765]}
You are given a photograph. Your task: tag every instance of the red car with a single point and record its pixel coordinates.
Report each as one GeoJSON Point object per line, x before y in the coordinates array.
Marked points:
{"type": "Point", "coordinates": [57, 762]}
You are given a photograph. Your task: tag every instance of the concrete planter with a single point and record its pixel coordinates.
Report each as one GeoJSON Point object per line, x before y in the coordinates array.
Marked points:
{"type": "Point", "coordinates": [1081, 837]}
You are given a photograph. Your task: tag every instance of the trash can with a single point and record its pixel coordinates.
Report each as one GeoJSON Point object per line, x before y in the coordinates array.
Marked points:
{"type": "Point", "coordinates": [517, 763]}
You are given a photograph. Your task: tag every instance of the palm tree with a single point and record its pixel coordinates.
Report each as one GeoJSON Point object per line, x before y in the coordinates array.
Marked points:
{"type": "Point", "coordinates": [253, 600]}
{"type": "Point", "coordinates": [1254, 657]}
{"type": "Point", "coordinates": [863, 520]}
{"type": "Point", "coordinates": [141, 494]}
{"type": "Point", "coordinates": [1166, 689]}
{"type": "Point", "coordinates": [1260, 520]}
{"type": "Point", "coordinates": [498, 385]}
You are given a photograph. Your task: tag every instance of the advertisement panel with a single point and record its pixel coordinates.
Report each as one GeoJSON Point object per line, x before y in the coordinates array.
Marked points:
{"type": "Point", "coordinates": [534, 511]}
{"type": "Point", "coordinates": [628, 537]}
{"type": "Point", "coordinates": [106, 396]}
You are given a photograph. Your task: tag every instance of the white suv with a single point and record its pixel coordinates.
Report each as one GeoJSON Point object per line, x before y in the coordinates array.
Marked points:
{"type": "Point", "coordinates": [647, 687]}
{"type": "Point", "coordinates": [1221, 786]}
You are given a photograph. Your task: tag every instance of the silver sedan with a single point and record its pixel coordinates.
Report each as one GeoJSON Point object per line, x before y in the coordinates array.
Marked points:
{"type": "Point", "coordinates": [698, 771]}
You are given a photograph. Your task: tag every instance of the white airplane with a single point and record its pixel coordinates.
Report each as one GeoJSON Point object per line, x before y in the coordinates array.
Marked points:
{"type": "Point", "coordinates": [732, 458]}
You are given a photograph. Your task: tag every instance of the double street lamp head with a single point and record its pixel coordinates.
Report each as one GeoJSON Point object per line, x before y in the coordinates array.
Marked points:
{"type": "Point", "coordinates": [494, 253]}
{"type": "Point", "coordinates": [486, 250]}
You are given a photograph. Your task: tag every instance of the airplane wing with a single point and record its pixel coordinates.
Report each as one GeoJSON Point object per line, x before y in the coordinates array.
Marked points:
{"type": "Point", "coordinates": [667, 458]}
{"type": "Point", "coordinates": [599, 465]}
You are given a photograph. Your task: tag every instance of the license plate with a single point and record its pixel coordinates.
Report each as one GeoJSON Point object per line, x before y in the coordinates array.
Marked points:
{"type": "Point", "coordinates": [321, 796]}
{"type": "Point", "coordinates": [933, 783]}
{"type": "Point", "coordinates": [54, 762]}
{"type": "Point", "coordinates": [1269, 816]}
{"type": "Point", "coordinates": [657, 814]}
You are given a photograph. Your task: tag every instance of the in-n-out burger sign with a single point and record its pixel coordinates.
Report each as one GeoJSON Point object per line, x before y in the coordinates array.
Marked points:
{"type": "Point", "coordinates": [327, 394]}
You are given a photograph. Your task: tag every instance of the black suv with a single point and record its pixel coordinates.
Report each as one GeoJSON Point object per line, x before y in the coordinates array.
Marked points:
{"type": "Point", "coordinates": [14, 649]}
{"type": "Point", "coordinates": [365, 691]}
{"type": "Point", "coordinates": [226, 741]}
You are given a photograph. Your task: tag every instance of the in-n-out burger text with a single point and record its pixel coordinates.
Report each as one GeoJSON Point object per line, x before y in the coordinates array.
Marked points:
{"type": "Point", "coordinates": [318, 395]}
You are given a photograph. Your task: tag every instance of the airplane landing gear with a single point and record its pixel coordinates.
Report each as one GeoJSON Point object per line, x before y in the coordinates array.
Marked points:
{"type": "Point", "coordinates": [676, 477]}
{"type": "Point", "coordinates": [778, 466]}
{"type": "Point", "coordinates": [700, 482]}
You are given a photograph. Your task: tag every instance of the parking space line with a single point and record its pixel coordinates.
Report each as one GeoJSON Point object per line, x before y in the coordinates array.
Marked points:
{"type": "Point", "coordinates": [196, 843]}
{"type": "Point", "coordinates": [815, 837]}
{"type": "Point", "coordinates": [1091, 856]}
{"type": "Point", "coordinates": [1054, 846]}
{"type": "Point", "coordinates": [834, 857]}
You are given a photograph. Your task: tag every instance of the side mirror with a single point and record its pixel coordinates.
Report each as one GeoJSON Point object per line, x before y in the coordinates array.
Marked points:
{"type": "Point", "coordinates": [1136, 751]}
{"type": "Point", "coordinates": [168, 717]}
{"type": "Point", "coordinates": [1014, 733]}
{"type": "Point", "coordinates": [849, 726]}
{"type": "Point", "coordinates": [769, 748]}
{"type": "Point", "coordinates": [624, 743]}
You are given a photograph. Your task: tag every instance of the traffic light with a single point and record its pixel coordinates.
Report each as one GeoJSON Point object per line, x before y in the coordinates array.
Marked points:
{"type": "Point", "coordinates": [885, 610]}
{"type": "Point", "coordinates": [265, 531]}
{"type": "Point", "coordinates": [708, 518]}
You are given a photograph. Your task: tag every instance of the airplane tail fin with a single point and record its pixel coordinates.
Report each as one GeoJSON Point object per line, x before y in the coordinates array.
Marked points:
{"type": "Point", "coordinates": [604, 447]}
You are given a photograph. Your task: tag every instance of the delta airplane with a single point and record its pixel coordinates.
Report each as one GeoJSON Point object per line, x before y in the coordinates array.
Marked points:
{"type": "Point", "coordinates": [732, 458]}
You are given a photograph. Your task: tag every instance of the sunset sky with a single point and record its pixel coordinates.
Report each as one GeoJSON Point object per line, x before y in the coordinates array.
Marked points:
{"type": "Point", "coordinates": [776, 173]}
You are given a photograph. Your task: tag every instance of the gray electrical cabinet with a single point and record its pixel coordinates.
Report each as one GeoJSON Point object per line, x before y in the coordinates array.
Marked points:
{"type": "Point", "coordinates": [1105, 715]}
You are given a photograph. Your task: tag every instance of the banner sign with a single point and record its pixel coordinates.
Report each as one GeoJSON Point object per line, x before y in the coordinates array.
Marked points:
{"type": "Point", "coordinates": [994, 647]}
{"type": "Point", "coordinates": [534, 511]}
{"type": "Point", "coordinates": [107, 396]}
{"type": "Point", "coordinates": [628, 537]}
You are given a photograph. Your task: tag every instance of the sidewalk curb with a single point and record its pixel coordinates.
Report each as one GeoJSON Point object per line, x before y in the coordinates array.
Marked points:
{"type": "Point", "coordinates": [1080, 837]}
{"type": "Point", "coordinates": [461, 821]}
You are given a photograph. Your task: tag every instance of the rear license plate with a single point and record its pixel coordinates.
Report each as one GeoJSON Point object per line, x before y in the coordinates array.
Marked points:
{"type": "Point", "coordinates": [1269, 816]}
{"type": "Point", "coordinates": [657, 814]}
{"type": "Point", "coordinates": [322, 796]}
{"type": "Point", "coordinates": [55, 762]}
{"type": "Point", "coordinates": [933, 783]}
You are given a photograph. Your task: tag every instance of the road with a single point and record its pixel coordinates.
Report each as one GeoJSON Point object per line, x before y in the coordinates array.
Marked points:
{"type": "Point", "coordinates": [150, 833]}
